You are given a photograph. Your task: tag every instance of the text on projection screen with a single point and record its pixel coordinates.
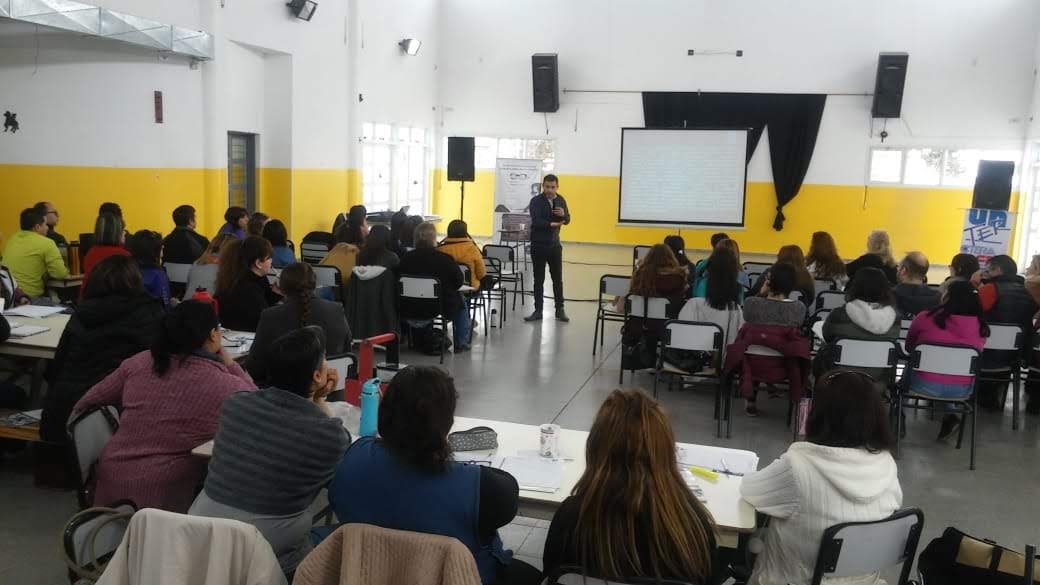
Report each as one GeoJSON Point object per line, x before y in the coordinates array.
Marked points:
{"type": "Point", "coordinates": [683, 176]}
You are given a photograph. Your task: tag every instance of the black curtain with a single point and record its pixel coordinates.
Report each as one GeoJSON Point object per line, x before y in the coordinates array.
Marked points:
{"type": "Point", "coordinates": [793, 121]}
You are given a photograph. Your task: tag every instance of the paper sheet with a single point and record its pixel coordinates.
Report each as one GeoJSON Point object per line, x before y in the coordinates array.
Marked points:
{"type": "Point", "coordinates": [732, 461]}
{"type": "Point", "coordinates": [35, 311]}
{"type": "Point", "coordinates": [27, 330]}
{"type": "Point", "coordinates": [534, 473]}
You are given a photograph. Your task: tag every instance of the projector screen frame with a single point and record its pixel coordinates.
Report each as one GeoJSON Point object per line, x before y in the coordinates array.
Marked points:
{"type": "Point", "coordinates": [681, 224]}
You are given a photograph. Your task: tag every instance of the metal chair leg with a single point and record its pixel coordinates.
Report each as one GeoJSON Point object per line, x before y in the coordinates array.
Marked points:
{"type": "Point", "coordinates": [974, 411]}
{"type": "Point", "coordinates": [1016, 384]}
{"type": "Point", "coordinates": [595, 332]}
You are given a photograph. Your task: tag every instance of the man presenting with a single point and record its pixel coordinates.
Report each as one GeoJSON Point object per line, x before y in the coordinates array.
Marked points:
{"type": "Point", "coordinates": [548, 212]}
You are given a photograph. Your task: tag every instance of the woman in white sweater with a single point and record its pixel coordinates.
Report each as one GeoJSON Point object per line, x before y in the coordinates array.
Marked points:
{"type": "Point", "coordinates": [843, 472]}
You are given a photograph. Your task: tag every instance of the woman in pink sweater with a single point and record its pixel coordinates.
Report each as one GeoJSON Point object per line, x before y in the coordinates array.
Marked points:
{"type": "Point", "coordinates": [170, 399]}
{"type": "Point", "coordinates": [957, 321]}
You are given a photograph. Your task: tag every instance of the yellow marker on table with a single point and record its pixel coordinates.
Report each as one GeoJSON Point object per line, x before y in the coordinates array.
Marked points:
{"type": "Point", "coordinates": [704, 472]}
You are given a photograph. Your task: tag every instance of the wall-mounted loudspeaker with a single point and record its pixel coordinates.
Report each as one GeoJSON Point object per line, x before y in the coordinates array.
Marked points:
{"type": "Point", "coordinates": [993, 185]}
{"type": "Point", "coordinates": [888, 86]}
{"type": "Point", "coordinates": [546, 82]}
{"type": "Point", "coordinates": [460, 158]}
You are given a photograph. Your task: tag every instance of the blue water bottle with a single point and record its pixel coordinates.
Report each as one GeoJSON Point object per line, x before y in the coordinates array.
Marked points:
{"type": "Point", "coordinates": [369, 408]}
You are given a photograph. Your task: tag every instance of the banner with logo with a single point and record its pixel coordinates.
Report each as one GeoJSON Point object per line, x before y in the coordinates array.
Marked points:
{"type": "Point", "coordinates": [987, 233]}
{"type": "Point", "coordinates": [517, 180]}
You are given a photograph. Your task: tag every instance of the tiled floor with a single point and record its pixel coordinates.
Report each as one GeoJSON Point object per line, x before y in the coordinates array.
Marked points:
{"type": "Point", "coordinates": [536, 373]}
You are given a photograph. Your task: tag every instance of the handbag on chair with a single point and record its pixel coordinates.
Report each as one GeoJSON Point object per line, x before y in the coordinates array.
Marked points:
{"type": "Point", "coordinates": [956, 558]}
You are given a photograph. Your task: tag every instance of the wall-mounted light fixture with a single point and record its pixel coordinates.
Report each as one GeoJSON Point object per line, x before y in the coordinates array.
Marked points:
{"type": "Point", "coordinates": [303, 9]}
{"type": "Point", "coordinates": [410, 46]}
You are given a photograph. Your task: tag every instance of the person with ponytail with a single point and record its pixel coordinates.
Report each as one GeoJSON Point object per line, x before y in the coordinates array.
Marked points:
{"type": "Point", "coordinates": [300, 309]}
{"type": "Point", "coordinates": [170, 398]}
{"type": "Point", "coordinates": [631, 514]}
{"type": "Point", "coordinates": [242, 289]}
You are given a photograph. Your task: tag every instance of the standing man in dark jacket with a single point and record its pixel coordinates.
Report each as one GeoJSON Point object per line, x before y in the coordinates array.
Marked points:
{"type": "Point", "coordinates": [184, 245]}
{"type": "Point", "coordinates": [548, 212]}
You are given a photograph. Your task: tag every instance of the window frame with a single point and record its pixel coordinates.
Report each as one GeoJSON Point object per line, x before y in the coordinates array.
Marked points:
{"type": "Point", "coordinates": [944, 180]}
{"type": "Point", "coordinates": [399, 147]}
{"type": "Point", "coordinates": [498, 141]}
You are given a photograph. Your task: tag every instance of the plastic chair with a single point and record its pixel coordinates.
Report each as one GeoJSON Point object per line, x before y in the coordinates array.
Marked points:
{"type": "Point", "coordinates": [694, 336]}
{"type": "Point", "coordinates": [424, 288]}
{"type": "Point", "coordinates": [610, 285]}
{"type": "Point", "coordinates": [758, 267]}
{"type": "Point", "coordinates": [177, 273]}
{"type": "Point", "coordinates": [829, 299]}
{"type": "Point", "coordinates": [327, 276]}
{"type": "Point", "coordinates": [315, 246]}
{"type": "Point", "coordinates": [823, 284]}
{"type": "Point", "coordinates": [862, 353]}
{"type": "Point", "coordinates": [646, 309]}
{"type": "Point", "coordinates": [861, 548]}
{"type": "Point", "coordinates": [491, 291]}
{"type": "Point", "coordinates": [90, 431]}
{"type": "Point", "coordinates": [92, 536]}
{"type": "Point", "coordinates": [507, 254]}
{"type": "Point", "coordinates": [1005, 338]}
{"type": "Point", "coordinates": [476, 298]}
{"type": "Point", "coordinates": [202, 276]}
{"type": "Point", "coordinates": [946, 359]}
{"type": "Point", "coordinates": [346, 366]}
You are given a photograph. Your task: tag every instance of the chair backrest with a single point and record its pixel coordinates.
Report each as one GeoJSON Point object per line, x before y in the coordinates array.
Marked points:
{"type": "Point", "coordinates": [502, 253]}
{"type": "Point", "coordinates": [822, 284]}
{"type": "Point", "coordinates": [862, 353]}
{"type": "Point", "coordinates": [574, 576]}
{"type": "Point", "coordinates": [1004, 337]}
{"type": "Point", "coordinates": [90, 432]}
{"type": "Point", "coordinates": [326, 276]}
{"type": "Point", "coordinates": [638, 253]}
{"type": "Point", "coordinates": [177, 273]}
{"type": "Point", "coordinates": [646, 307]}
{"type": "Point", "coordinates": [830, 299]}
{"type": "Point", "coordinates": [494, 268]}
{"type": "Point", "coordinates": [315, 246]}
{"type": "Point", "coordinates": [692, 336]}
{"type": "Point", "coordinates": [758, 267]}
{"type": "Point", "coordinates": [614, 285]}
{"type": "Point", "coordinates": [947, 359]}
{"type": "Point", "coordinates": [202, 276]}
{"type": "Point", "coordinates": [465, 272]}
{"type": "Point", "coordinates": [861, 548]}
{"type": "Point", "coordinates": [346, 365]}
{"type": "Point", "coordinates": [418, 287]}
{"type": "Point", "coordinates": [796, 295]}
{"type": "Point", "coordinates": [95, 530]}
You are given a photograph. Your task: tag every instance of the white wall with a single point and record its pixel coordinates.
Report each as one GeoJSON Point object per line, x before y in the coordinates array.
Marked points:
{"type": "Point", "coordinates": [968, 84]}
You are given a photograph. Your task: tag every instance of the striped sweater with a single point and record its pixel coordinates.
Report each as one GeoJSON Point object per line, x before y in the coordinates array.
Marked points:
{"type": "Point", "coordinates": [273, 452]}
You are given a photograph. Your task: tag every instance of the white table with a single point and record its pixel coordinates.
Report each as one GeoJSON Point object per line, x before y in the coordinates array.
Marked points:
{"type": "Point", "coordinates": [41, 346]}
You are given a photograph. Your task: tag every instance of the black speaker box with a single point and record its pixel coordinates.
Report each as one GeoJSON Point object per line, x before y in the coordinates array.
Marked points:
{"type": "Point", "coordinates": [993, 184]}
{"type": "Point", "coordinates": [888, 86]}
{"type": "Point", "coordinates": [546, 82]}
{"type": "Point", "coordinates": [460, 158]}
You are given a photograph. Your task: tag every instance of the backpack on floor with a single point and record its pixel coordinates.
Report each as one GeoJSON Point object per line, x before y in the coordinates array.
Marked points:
{"type": "Point", "coordinates": [430, 340]}
{"type": "Point", "coordinates": [956, 558]}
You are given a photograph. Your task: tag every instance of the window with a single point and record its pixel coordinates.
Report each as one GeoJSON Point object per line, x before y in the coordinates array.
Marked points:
{"type": "Point", "coordinates": [487, 150]}
{"type": "Point", "coordinates": [395, 162]}
{"type": "Point", "coordinates": [934, 166]}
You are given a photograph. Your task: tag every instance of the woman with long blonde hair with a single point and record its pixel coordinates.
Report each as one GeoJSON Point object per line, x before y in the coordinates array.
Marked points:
{"type": "Point", "coordinates": [878, 255]}
{"type": "Point", "coordinates": [631, 514]}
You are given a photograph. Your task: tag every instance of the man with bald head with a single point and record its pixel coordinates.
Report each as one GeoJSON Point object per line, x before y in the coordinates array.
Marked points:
{"type": "Point", "coordinates": [913, 294]}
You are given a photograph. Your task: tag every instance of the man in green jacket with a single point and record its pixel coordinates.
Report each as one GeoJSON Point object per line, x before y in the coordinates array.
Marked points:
{"type": "Point", "coordinates": [32, 257]}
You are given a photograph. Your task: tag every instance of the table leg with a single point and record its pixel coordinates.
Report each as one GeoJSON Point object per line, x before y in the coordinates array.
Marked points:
{"type": "Point", "coordinates": [36, 384]}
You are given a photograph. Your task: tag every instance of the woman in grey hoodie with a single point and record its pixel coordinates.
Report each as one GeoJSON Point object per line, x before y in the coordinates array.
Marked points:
{"type": "Point", "coordinates": [867, 314]}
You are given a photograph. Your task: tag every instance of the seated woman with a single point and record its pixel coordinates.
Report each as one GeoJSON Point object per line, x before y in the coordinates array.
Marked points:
{"type": "Point", "coordinates": [257, 221]}
{"type": "Point", "coordinates": [115, 320]}
{"type": "Point", "coordinates": [659, 275]}
{"type": "Point", "coordinates": [146, 248]}
{"type": "Point", "coordinates": [962, 267]}
{"type": "Point", "coordinates": [236, 219]}
{"type": "Point", "coordinates": [869, 313]}
{"type": "Point", "coordinates": [242, 289]}
{"type": "Point", "coordinates": [281, 254]}
{"type": "Point", "coordinates": [355, 229]}
{"type": "Point", "coordinates": [804, 284]}
{"type": "Point", "coordinates": [678, 246]}
{"type": "Point", "coordinates": [212, 253]}
{"type": "Point", "coordinates": [376, 251]}
{"type": "Point", "coordinates": [170, 400]}
{"type": "Point", "coordinates": [721, 302]}
{"type": "Point", "coordinates": [957, 321]}
{"type": "Point", "coordinates": [842, 472]}
{"type": "Point", "coordinates": [464, 250]}
{"type": "Point", "coordinates": [701, 282]}
{"type": "Point", "coordinates": [109, 240]}
{"type": "Point", "coordinates": [300, 309]}
{"type": "Point", "coordinates": [631, 513]}
{"type": "Point", "coordinates": [823, 261]}
{"type": "Point", "coordinates": [774, 306]}
{"type": "Point", "coordinates": [878, 255]}
{"type": "Point", "coordinates": [277, 447]}
{"type": "Point", "coordinates": [419, 487]}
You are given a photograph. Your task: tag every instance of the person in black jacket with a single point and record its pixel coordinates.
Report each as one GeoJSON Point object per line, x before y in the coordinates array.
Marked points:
{"type": "Point", "coordinates": [243, 291]}
{"type": "Point", "coordinates": [115, 320]}
{"type": "Point", "coordinates": [913, 294]}
{"type": "Point", "coordinates": [184, 245]}
{"type": "Point", "coordinates": [548, 212]}
{"type": "Point", "coordinates": [426, 260]}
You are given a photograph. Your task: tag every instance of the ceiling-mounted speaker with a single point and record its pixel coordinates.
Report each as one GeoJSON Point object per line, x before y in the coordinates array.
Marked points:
{"type": "Point", "coordinates": [303, 9]}
{"type": "Point", "coordinates": [993, 185]}
{"type": "Point", "coordinates": [888, 85]}
{"type": "Point", "coordinates": [546, 82]}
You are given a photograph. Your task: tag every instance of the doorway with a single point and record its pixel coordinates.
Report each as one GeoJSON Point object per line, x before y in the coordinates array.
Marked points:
{"type": "Point", "coordinates": [242, 170]}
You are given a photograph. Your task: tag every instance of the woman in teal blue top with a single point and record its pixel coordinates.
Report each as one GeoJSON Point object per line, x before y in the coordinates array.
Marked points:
{"type": "Point", "coordinates": [406, 479]}
{"type": "Point", "coordinates": [723, 263]}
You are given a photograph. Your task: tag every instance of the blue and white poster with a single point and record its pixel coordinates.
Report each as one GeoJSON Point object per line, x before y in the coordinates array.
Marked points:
{"type": "Point", "coordinates": [987, 233]}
